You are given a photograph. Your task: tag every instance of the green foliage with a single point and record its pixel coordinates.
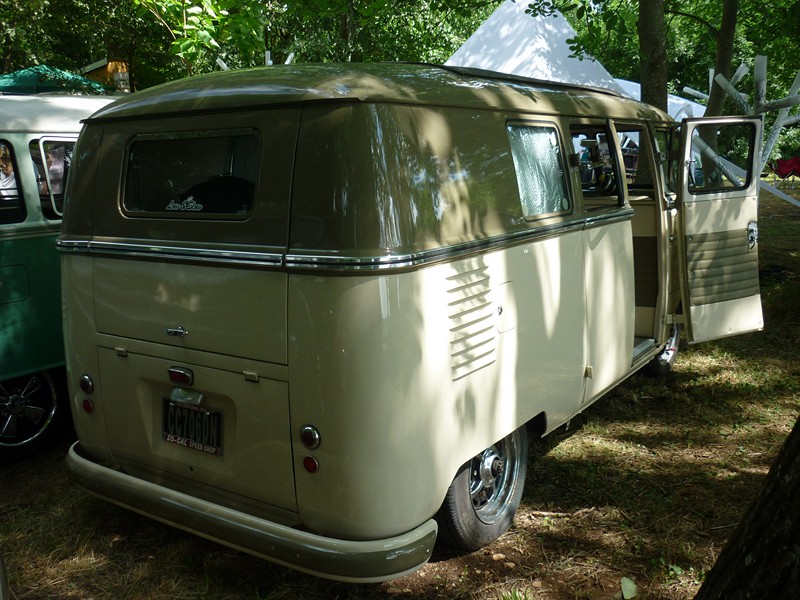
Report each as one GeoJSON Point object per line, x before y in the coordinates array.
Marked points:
{"type": "Point", "coordinates": [370, 30]}
{"type": "Point", "coordinates": [70, 34]}
{"type": "Point", "coordinates": [606, 30]}
{"type": "Point", "coordinates": [198, 27]}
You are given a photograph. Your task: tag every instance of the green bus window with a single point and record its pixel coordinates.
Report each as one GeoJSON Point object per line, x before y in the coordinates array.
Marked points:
{"type": "Point", "coordinates": [51, 163]}
{"type": "Point", "coordinates": [12, 204]}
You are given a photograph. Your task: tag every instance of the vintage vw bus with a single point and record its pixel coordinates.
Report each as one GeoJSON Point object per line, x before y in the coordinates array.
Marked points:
{"type": "Point", "coordinates": [37, 136]}
{"type": "Point", "coordinates": [311, 311]}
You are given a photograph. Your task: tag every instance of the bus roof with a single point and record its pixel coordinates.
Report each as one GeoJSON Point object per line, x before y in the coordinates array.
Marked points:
{"type": "Point", "coordinates": [406, 83]}
{"type": "Point", "coordinates": [47, 114]}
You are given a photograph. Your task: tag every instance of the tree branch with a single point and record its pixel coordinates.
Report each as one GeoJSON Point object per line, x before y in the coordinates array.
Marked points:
{"type": "Point", "coordinates": [695, 18]}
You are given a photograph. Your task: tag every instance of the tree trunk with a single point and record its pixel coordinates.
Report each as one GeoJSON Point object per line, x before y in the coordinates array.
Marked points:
{"type": "Point", "coordinates": [652, 28]}
{"type": "Point", "coordinates": [722, 63]}
{"type": "Point", "coordinates": [762, 558]}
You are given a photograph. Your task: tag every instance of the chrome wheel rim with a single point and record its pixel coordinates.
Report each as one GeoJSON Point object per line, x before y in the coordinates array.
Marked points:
{"type": "Point", "coordinates": [493, 479]}
{"type": "Point", "coordinates": [27, 406]}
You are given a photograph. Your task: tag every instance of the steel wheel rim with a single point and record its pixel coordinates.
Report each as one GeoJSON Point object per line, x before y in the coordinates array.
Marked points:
{"type": "Point", "coordinates": [27, 406]}
{"type": "Point", "coordinates": [493, 479]}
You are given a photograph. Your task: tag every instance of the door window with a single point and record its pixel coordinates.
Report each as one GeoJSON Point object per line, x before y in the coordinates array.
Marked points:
{"type": "Point", "coordinates": [637, 155]}
{"type": "Point", "coordinates": [721, 156]}
{"type": "Point", "coordinates": [598, 163]}
{"type": "Point", "coordinates": [668, 143]}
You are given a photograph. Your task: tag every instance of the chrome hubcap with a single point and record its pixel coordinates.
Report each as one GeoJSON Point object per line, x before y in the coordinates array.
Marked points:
{"type": "Point", "coordinates": [27, 405]}
{"type": "Point", "coordinates": [493, 476]}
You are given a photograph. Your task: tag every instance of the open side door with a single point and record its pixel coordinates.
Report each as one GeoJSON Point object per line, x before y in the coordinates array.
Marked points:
{"type": "Point", "coordinates": [718, 226]}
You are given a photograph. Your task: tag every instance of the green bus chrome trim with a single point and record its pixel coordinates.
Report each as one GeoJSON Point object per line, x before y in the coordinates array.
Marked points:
{"type": "Point", "coordinates": [316, 261]}
{"type": "Point", "coordinates": [342, 560]}
{"type": "Point", "coordinates": [24, 231]}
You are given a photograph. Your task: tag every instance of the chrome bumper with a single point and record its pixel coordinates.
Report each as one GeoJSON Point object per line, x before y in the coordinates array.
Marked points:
{"type": "Point", "coordinates": [343, 560]}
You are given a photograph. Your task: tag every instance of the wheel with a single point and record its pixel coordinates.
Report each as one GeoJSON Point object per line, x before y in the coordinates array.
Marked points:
{"type": "Point", "coordinates": [485, 494]}
{"type": "Point", "coordinates": [661, 365]}
{"type": "Point", "coordinates": [5, 593]}
{"type": "Point", "coordinates": [29, 414]}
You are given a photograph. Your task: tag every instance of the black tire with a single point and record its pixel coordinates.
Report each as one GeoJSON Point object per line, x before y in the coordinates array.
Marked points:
{"type": "Point", "coordinates": [5, 593]}
{"type": "Point", "coordinates": [32, 416]}
{"type": "Point", "coordinates": [481, 502]}
{"type": "Point", "coordinates": [661, 365]}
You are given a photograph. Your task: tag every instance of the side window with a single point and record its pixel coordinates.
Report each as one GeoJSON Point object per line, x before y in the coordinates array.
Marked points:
{"type": "Point", "coordinates": [541, 177]}
{"type": "Point", "coordinates": [721, 157]}
{"type": "Point", "coordinates": [598, 163]}
{"type": "Point", "coordinates": [201, 176]}
{"type": "Point", "coordinates": [51, 163]}
{"type": "Point", "coordinates": [12, 204]}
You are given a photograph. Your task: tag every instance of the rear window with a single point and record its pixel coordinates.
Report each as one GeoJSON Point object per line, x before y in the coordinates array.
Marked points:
{"type": "Point", "coordinates": [207, 175]}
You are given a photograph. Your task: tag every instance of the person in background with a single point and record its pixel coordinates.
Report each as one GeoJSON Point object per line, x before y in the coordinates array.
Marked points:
{"type": "Point", "coordinates": [8, 180]}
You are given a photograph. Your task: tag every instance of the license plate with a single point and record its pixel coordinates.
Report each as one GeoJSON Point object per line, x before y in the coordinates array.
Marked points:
{"type": "Point", "coordinates": [192, 426]}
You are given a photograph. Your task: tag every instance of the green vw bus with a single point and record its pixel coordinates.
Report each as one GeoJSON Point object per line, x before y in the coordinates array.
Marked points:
{"type": "Point", "coordinates": [37, 138]}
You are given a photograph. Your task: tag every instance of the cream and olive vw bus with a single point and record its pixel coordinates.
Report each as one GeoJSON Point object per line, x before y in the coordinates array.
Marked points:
{"type": "Point", "coordinates": [311, 311]}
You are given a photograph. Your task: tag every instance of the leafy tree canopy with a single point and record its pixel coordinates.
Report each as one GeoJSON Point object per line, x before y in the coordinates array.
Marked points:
{"type": "Point", "coordinates": [606, 30]}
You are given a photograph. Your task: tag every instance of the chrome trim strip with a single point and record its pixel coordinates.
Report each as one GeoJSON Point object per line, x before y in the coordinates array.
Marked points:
{"type": "Point", "coordinates": [618, 215]}
{"type": "Point", "coordinates": [122, 249]}
{"type": "Point", "coordinates": [424, 257]}
{"type": "Point", "coordinates": [312, 261]}
{"type": "Point", "coordinates": [72, 245]}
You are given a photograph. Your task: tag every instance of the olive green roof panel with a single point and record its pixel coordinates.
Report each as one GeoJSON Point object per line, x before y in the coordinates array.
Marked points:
{"type": "Point", "coordinates": [410, 83]}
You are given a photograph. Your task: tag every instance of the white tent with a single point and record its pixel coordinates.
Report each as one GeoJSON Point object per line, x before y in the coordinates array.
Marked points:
{"type": "Point", "coordinates": [677, 107]}
{"type": "Point", "coordinates": [511, 41]}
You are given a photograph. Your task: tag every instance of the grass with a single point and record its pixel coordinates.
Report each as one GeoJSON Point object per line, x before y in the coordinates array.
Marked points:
{"type": "Point", "coordinates": [649, 488]}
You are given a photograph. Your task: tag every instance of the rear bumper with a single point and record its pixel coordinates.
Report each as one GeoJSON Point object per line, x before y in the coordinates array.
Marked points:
{"type": "Point", "coordinates": [343, 560]}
